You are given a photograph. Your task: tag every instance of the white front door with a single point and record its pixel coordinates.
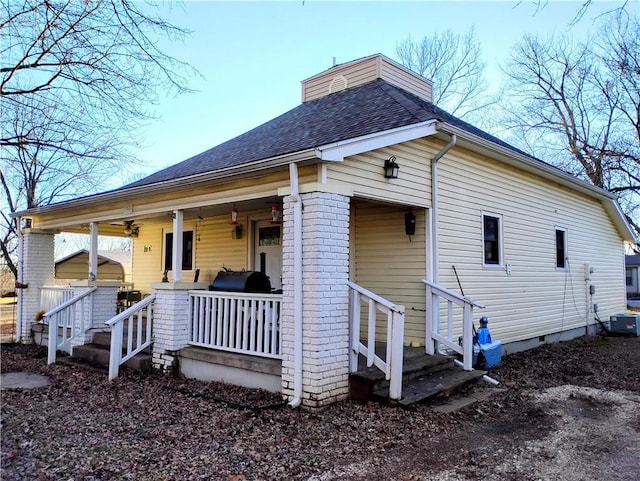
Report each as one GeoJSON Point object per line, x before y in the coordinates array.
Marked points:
{"type": "Point", "coordinates": [268, 251]}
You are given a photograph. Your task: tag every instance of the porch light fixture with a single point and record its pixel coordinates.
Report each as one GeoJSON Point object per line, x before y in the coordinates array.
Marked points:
{"type": "Point", "coordinates": [391, 168]}
{"type": "Point", "coordinates": [234, 216]}
{"type": "Point", "coordinates": [275, 214]}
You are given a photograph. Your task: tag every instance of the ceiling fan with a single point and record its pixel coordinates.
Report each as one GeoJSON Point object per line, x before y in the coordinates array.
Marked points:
{"type": "Point", "coordinates": [130, 229]}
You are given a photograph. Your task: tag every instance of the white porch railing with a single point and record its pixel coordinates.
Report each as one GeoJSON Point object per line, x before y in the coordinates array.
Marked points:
{"type": "Point", "coordinates": [53, 296]}
{"type": "Point", "coordinates": [67, 323]}
{"type": "Point", "coordinates": [138, 320]}
{"type": "Point", "coordinates": [391, 365]}
{"type": "Point", "coordinates": [446, 334]}
{"type": "Point", "coordinates": [245, 323]}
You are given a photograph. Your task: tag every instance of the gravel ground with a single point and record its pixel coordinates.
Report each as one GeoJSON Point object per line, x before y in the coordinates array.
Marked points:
{"type": "Point", "coordinates": [566, 412]}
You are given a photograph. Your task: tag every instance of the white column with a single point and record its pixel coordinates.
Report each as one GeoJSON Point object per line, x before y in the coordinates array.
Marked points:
{"type": "Point", "coordinates": [36, 269]}
{"type": "Point", "coordinates": [325, 309]}
{"type": "Point", "coordinates": [178, 217]}
{"type": "Point", "coordinates": [93, 252]}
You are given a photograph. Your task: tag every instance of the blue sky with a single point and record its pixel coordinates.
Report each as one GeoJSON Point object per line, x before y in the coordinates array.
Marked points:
{"type": "Point", "coordinates": [253, 55]}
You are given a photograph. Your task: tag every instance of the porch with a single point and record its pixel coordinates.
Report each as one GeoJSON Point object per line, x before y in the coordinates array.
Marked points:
{"type": "Point", "coordinates": [236, 338]}
{"type": "Point", "coordinates": [304, 342]}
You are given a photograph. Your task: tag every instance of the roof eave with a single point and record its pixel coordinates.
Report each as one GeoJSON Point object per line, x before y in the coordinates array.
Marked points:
{"type": "Point", "coordinates": [158, 187]}
{"type": "Point", "coordinates": [337, 151]}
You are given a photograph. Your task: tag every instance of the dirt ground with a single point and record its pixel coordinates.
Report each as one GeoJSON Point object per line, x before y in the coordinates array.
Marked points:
{"type": "Point", "coordinates": [565, 412]}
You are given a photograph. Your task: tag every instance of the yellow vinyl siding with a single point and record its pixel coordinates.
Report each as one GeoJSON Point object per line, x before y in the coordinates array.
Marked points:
{"type": "Point", "coordinates": [364, 174]}
{"type": "Point", "coordinates": [214, 248]}
{"type": "Point", "coordinates": [537, 298]}
{"type": "Point", "coordinates": [147, 257]}
{"type": "Point", "coordinates": [389, 263]}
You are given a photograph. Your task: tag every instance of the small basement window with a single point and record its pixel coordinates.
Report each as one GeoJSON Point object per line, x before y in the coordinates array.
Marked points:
{"type": "Point", "coordinates": [492, 239]}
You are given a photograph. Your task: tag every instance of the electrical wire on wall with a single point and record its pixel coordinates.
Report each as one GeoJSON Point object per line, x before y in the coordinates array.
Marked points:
{"type": "Point", "coordinates": [568, 278]}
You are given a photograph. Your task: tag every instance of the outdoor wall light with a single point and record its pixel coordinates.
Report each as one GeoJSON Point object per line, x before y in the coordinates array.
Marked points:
{"type": "Point", "coordinates": [391, 168]}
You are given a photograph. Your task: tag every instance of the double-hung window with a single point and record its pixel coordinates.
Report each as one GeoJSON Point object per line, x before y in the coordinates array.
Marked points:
{"type": "Point", "coordinates": [561, 248]}
{"type": "Point", "coordinates": [187, 251]}
{"type": "Point", "coordinates": [491, 239]}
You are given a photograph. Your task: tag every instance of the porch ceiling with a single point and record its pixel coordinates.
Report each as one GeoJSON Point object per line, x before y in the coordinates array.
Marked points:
{"type": "Point", "coordinates": [113, 224]}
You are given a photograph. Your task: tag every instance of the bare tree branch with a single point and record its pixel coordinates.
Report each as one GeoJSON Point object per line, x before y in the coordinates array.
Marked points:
{"type": "Point", "coordinates": [77, 79]}
{"type": "Point", "coordinates": [582, 103]}
{"type": "Point", "coordinates": [454, 63]}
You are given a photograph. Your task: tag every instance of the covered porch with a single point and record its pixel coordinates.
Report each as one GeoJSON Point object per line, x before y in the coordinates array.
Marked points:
{"type": "Point", "coordinates": [304, 337]}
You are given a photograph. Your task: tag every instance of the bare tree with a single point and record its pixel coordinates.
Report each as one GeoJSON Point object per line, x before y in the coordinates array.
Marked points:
{"type": "Point", "coordinates": [578, 105]}
{"type": "Point", "coordinates": [454, 63]}
{"type": "Point", "coordinates": [77, 78]}
{"type": "Point", "coordinates": [581, 8]}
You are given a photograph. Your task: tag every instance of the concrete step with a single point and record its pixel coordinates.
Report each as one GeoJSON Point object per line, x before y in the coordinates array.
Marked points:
{"type": "Point", "coordinates": [98, 355]}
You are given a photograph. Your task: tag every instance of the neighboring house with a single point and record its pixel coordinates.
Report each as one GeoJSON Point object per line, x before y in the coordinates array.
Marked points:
{"type": "Point", "coordinates": [112, 265]}
{"type": "Point", "coordinates": [370, 209]}
{"type": "Point", "coordinates": [632, 271]}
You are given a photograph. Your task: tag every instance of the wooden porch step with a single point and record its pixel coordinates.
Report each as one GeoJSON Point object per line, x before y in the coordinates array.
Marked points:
{"type": "Point", "coordinates": [424, 377]}
{"type": "Point", "coordinates": [433, 385]}
{"type": "Point", "coordinates": [415, 365]}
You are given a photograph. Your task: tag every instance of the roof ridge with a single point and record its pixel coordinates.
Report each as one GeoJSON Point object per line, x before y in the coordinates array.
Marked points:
{"type": "Point", "coordinates": [406, 102]}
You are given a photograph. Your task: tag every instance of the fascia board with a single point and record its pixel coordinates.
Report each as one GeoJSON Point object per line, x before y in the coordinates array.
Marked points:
{"type": "Point", "coordinates": [159, 187]}
{"type": "Point", "coordinates": [337, 151]}
{"type": "Point", "coordinates": [516, 159]}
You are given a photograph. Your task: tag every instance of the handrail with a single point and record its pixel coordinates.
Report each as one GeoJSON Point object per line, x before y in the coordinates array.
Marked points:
{"type": "Point", "coordinates": [68, 303]}
{"type": "Point", "coordinates": [433, 334]}
{"type": "Point", "coordinates": [391, 365]}
{"type": "Point", "coordinates": [52, 296]}
{"type": "Point", "coordinates": [371, 295]}
{"type": "Point", "coordinates": [454, 296]}
{"type": "Point", "coordinates": [138, 333]}
{"type": "Point", "coordinates": [70, 329]}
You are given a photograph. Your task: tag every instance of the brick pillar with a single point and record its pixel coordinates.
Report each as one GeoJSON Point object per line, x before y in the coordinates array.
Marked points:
{"type": "Point", "coordinates": [170, 323]}
{"type": "Point", "coordinates": [102, 307]}
{"type": "Point", "coordinates": [36, 269]}
{"type": "Point", "coordinates": [325, 227]}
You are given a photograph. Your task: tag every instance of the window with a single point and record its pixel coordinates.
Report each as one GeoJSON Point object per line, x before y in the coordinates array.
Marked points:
{"type": "Point", "coordinates": [629, 276]}
{"type": "Point", "coordinates": [561, 248]}
{"type": "Point", "coordinates": [492, 239]}
{"type": "Point", "coordinates": [187, 251]}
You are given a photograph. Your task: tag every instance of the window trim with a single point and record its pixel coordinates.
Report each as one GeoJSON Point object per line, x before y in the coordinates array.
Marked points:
{"type": "Point", "coordinates": [565, 247]}
{"type": "Point", "coordinates": [499, 218]}
{"type": "Point", "coordinates": [165, 252]}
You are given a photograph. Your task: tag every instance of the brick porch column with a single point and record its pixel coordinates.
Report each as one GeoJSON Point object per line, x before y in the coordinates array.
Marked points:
{"type": "Point", "coordinates": [171, 329]}
{"type": "Point", "coordinates": [325, 232]}
{"type": "Point", "coordinates": [103, 306]}
{"type": "Point", "coordinates": [36, 269]}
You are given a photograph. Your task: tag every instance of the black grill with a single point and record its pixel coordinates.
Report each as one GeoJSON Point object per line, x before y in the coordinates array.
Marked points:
{"type": "Point", "coordinates": [241, 281]}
